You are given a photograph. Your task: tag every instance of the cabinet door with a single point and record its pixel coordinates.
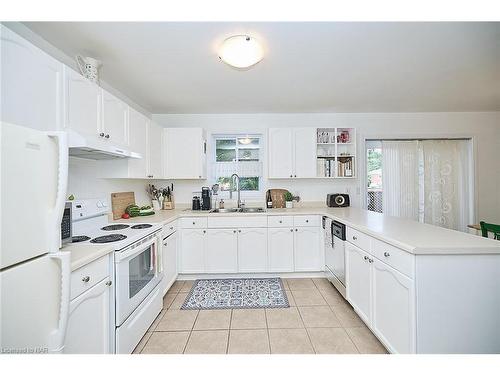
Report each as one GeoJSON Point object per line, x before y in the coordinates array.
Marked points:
{"type": "Point", "coordinates": [221, 251]}
{"type": "Point", "coordinates": [393, 308]}
{"type": "Point", "coordinates": [31, 84]}
{"type": "Point", "coordinates": [307, 254]}
{"type": "Point", "coordinates": [138, 142]}
{"type": "Point", "coordinates": [155, 151]}
{"type": "Point", "coordinates": [193, 251]}
{"type": "Point", "coordinates": [304, 152]}
{"type": "Point", "coordinates": [252, 250]}
{"type": "Point", "coordinates": [280, 248]}
{"type": "Point", "coordinates": [280, 153]}
{"type": "Point", "coordinates": [89, 322]}
{"type": "Point", "coordinates": [358, 281]}
{"type": "Point", "coordinates": [114, 119]}
{"type": "Point", "coordinates": [82, 107]}
{"type": "Point", "coordinates": [169, 261]}
{"type": "Point", "coordinates": [185, 153]}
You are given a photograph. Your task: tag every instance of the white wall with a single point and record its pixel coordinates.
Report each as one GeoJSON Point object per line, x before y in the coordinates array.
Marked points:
{"type": "Point", "coordinates": [484, 128]}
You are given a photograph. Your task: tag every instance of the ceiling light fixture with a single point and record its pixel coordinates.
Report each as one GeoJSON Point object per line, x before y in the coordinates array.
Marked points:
{"type": "Point", "coordinates": [241, 51]}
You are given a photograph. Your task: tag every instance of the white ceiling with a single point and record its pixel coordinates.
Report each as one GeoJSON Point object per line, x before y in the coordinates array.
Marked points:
{"type": "Point", "coordinates": [170, 67]}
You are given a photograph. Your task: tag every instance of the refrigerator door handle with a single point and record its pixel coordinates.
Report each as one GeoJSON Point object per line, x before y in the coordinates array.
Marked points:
{"type": "Point", "coordinates": [57, 337]}
{"type": "Point", "coordinates": [62, 185]}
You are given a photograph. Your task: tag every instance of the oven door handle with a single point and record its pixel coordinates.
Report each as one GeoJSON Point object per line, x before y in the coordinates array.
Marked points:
{"type": "Point", "coordinates": [121, 256]}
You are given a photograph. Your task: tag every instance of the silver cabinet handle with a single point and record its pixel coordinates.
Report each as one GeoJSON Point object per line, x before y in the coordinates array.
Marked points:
{"type": "Point", "coordinates": [234, 231]}
{"type": "Point", "coordinates": [204, 231]}
{"type": "Point", "coordinates": [106, 136]}
{"type": "Point", "coordinates": [296, 230]}
{"type": "Point", "coordinates": [387, 255]}
{"type": "Point", "coordinates": [101, 134]}
{"type": "Point", "coordinates": [354, 238]}
{"type": "Point", "coordinates": [108, 283]}
{"type": "Point", "coordinates": [86, 279]}
{"type": "Point", "coordinates": [239, 230]}
{"type": "Point", "coordinates": [365, 257]}
{"type": "Point", "coordinates": [194, 223]}
{"type": "Point", "coordinates": [171, 228]}
{"type": "Point", "coordinates": [370, 260]}
{"type": "Point", "coordinates": [307, 221]}
{"type": "Point", "coordinates": [291, 230]}
{"type": "Point", "coordinates": [281, 221]}
{"type": "Point", "coordinates": [291, 175]}
{"type": "Point", "coordinates": [295, 175]}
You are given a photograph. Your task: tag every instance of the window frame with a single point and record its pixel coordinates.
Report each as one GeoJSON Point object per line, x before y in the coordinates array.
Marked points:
{"type": "Point", "coordinates": [245, 194]}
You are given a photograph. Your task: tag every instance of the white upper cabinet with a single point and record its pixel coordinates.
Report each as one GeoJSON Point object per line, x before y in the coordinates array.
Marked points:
{"type": "Point", "coordinates": [114, 119]}
{"type": "Point", "coordinates": [138, 142]}
{"type": "Point", "coordinates": [155, 151]}
{"type": "Point", "coordinates": [280, 153]}
{"type": "Point", "coordinates": [304, 152]}
{"type": "Point", "coordinates": [185, 153]}
{"type": "Point", "coordinates": [82, 105]}
{"type": "Point", "coordinates": [292, 153]}
{"type": "Point", "coordinates": [31, 84]}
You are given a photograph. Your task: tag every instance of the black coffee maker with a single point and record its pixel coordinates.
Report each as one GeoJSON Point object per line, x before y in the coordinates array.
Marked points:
{"type": "Point", "coordinates": [206, 198]}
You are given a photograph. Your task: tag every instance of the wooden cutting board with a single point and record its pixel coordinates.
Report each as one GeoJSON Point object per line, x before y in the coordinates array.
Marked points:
{"type": "Point", "coordinates": [278, 197]}
{"type": "Point", "coordinates": [120, 201]}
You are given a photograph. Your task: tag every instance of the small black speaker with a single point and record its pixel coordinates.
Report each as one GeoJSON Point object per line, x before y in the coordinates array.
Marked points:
{"type": "Point", "coordinates": [337, 200]}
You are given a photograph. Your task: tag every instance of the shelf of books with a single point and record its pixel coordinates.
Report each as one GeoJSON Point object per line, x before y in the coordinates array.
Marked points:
{"type": "Point", "coordinates": [336, 153]}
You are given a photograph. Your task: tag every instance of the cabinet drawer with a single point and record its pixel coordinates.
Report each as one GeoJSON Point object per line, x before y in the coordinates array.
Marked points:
{"type": "Point", "coordinates": [169, 228]}
{"type": "Point", "coordinates": [396, 258]}
{"type": "Point", "coordinates": [193, 222]}
{"type": "Point", "coordinates": [237, 222]}
{"type": "Point", "coordinates": [87, 276]}
{"type": "Point", "coordinates": [306, 221]}
{"type": "Point", "coordinates": [359, 239]}
{"type": "Point", "coordinates": [280, 221]}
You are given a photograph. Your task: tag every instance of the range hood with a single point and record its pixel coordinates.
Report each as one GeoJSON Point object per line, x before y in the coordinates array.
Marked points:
{"type": "Point", "coordinates": [96, 149]}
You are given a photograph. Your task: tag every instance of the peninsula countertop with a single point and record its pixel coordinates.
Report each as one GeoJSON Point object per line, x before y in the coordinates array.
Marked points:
{"type": "Point", "coordinates": [409, 235]}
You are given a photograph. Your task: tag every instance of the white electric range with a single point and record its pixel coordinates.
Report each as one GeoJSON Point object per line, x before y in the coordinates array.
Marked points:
{"type": "Point", "coordinates": [138, 267]}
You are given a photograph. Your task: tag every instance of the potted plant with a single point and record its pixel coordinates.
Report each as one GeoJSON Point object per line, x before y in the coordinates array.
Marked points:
{"type": "Point", "coordinates": [288, 200]}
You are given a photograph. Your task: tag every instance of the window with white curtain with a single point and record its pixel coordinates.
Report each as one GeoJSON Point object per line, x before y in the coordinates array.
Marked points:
{"type": "Point", "coordinates": [427, 180]}
{"type": "Point", "coordinates": [240, 154]}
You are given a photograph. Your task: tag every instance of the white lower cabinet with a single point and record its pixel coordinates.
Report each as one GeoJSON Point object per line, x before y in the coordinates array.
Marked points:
{"type": "Point", "coordinates": [307, 250]}
{"type": "Point", "coordinates": [393, 313]}
{"type": "Point", "coordinates": [193, 250]}
{"type": "Point", "coordinates": [252, 250]}
{"type": "Point", "coordinates": [89, 323]}
{"type": "Point", "coordinates": [221, 251]}
{"type": "Point", "coordinates": [358, 280]}
{"type": "Point", "coordinates": [383, 297]}
{"type": "Point", "coordinates": [169, 260]}
{"type": "Point", "coordinates": [280, 247]}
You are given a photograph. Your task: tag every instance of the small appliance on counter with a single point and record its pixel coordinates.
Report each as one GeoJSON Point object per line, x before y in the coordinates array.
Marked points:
{"type": "Point", "coordinates": [337, 200]}
{"type": "Point", "coordinates": [206, 198]}
{"type": "Point", "coordinates": [196, 206]}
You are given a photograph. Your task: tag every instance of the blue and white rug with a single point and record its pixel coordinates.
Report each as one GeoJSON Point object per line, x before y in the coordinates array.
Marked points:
{"type": "Point", "coordinates": [209, 294]}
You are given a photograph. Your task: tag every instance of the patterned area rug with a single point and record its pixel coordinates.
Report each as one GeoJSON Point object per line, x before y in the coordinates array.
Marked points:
{"type": "Point", "coordinates": [209, 294]}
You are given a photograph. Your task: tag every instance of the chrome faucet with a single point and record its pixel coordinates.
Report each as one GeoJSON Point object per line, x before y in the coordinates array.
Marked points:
{"type": "Point", "coordinates": [238, 185]}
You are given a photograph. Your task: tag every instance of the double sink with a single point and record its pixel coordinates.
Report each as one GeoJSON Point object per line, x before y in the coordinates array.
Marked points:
{"type": "Point", "coordinates": [238, 210]}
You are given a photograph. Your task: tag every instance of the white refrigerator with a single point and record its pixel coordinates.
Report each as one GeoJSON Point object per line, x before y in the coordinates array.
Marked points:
{"type": "Point", "coordinates": [34, 274]}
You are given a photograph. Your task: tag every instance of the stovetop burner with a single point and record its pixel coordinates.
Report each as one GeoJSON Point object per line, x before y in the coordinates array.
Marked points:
{"type": "Point", "coordinates": [115, 227]}
{"type": "Point", "coordinates": [75, 239]}
{"type": "Point", "coordinates": [109, 238]}
{"type": "Point", "coordinates": [141, 226]}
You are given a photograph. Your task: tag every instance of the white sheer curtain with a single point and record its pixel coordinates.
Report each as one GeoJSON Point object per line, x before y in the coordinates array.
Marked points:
{"type": "Point", "coordinates": [400, 178]}
{"type": "Point", "coordinates": [446, 175]}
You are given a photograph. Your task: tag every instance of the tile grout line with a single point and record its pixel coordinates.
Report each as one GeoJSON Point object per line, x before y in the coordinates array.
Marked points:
{"type": "Point", "coordinates": [229, 331]}
{"type": "Point", "coordinates": [190, 332]}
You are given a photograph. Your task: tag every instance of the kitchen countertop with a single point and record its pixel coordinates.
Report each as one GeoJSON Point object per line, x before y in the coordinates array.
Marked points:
{"type": "Point", "coordinates": [411, 236]}
{"type": "Point", "coordinates": [83, 254]}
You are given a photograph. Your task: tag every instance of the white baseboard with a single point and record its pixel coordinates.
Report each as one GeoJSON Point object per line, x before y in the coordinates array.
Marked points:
{"type": "Point", "coordinates": [287, 275]}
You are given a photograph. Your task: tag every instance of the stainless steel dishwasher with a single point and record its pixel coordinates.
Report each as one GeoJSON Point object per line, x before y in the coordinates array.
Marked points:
{"type": "Point", "coordinates": [334, 235]}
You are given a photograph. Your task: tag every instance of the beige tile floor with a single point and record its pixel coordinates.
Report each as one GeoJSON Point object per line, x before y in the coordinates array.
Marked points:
{"type": "Point", "coordinates": [318, 321]}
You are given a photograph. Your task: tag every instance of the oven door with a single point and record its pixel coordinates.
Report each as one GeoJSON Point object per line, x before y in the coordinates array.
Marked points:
{"type": "Point", "coordinates": [137, 273]}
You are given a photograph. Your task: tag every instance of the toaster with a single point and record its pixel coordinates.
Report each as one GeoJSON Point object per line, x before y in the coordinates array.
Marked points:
{"type": "Point", "coordinates": [337, 200]}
